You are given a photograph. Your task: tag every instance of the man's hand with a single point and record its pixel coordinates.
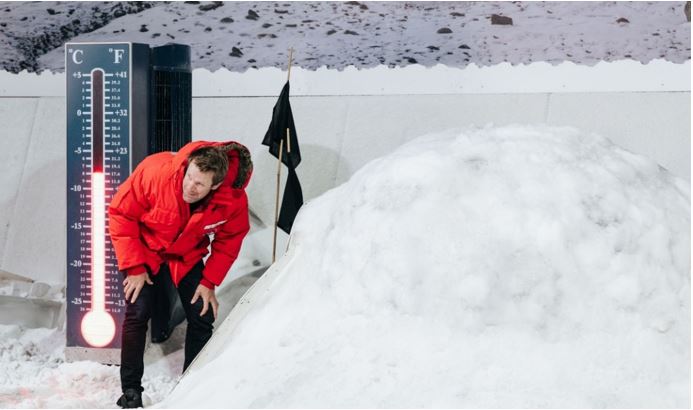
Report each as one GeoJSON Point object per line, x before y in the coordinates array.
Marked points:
{"type": "Point", "coordinates": [134, 284]}
{"type": "Point", "coordinates": [208, 298]}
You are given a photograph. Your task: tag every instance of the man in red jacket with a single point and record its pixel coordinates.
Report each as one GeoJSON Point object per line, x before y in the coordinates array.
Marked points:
{"type": "Point", "coordinates": [161, 220]}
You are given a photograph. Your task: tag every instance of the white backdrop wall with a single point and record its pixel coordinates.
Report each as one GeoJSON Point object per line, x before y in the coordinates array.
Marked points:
{"type": "Point", "coordinates": [338, 135]}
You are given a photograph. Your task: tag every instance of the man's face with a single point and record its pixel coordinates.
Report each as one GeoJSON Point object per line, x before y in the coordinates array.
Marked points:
{"type": "Point", "coordinates": [197, 184]}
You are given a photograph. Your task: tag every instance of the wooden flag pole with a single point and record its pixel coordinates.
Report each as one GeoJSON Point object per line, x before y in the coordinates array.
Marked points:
{"type": "Point", "coordinates": [288, 72]}
{"type": "Point", "coordinates": [279, 170]}
{"type": "Point", "coordinates": [276, 205]}
{"type": "Point", "coordinates": [288, 152]}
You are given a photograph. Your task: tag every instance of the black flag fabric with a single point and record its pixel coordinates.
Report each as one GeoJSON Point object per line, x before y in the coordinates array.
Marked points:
{"type": "Point", "coordinates": [291, 202]}
{"type": "Point", "coordinates": [283, 119]}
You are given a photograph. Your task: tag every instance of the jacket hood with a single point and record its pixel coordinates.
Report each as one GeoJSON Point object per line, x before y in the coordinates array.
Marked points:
{"type": "Point", "coordinates": [240, 163]}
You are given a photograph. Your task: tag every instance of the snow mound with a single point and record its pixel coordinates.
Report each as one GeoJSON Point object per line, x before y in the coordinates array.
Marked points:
{"type": "Point", "coordinates": [498, 267]}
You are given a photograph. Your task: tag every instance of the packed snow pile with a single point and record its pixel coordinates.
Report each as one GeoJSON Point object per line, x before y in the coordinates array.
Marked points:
{"type": "Point", "coordinates": [497, 267]}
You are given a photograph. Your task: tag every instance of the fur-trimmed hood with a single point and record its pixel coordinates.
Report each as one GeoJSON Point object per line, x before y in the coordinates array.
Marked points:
{"type": "Point", "coordinates": [239, 159]}
{"type": "Point", "coordinates": [240, 163]}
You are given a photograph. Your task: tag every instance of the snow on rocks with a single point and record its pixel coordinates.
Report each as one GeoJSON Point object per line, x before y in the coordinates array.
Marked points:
{"type": "Point", "coordinates": [341, 34]}
{"type": "Point", "coordinates": [32, 30]}
{"type": "Point", "coordinates": [497, 267]}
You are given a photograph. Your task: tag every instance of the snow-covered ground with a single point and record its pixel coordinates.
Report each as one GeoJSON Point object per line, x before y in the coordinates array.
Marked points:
{"type": "Point", "coordinates": [34, 373]}
{"type": "Point", "coordinates": [500, 267]}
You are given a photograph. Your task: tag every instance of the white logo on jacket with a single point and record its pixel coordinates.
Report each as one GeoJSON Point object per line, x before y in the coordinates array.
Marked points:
{"type": "Point", "coordinates": [214, 225]}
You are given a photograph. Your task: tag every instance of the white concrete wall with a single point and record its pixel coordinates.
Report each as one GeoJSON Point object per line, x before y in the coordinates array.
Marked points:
{"type": "Point", "coordinates": [338, 135]}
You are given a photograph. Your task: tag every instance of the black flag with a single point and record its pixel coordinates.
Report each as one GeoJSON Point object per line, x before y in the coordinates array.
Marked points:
{"type": "Point", "coordinates": [283, 119]}
{"type": "Point", "coordinates": [291, 203]}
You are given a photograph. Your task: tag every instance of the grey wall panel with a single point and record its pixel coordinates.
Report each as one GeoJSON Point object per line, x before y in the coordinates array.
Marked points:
{"type": "Point", "coordinates": [17, 119]}
{"type": "Point", "coordinates": [36, 237]}
{"type": "Point", "coordinates": [654, 124]}
{"type": "Point", "coordinates": [378, 124]}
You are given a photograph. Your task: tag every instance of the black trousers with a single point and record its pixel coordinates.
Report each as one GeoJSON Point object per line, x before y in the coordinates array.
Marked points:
{"type": "Point", "coordinates": [138, 314]}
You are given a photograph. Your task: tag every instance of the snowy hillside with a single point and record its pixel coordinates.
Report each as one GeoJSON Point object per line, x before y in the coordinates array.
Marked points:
{"type": "Point", "coordinates": [498, 267]}
{"type": "Point", "coordinates": [243, 35]}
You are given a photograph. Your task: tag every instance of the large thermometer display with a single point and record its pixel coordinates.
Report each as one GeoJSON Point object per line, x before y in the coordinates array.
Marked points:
{"type": "Point", "coordinates": [106, 133]}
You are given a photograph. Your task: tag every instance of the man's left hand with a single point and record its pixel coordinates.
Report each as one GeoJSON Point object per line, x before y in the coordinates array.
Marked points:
{"type": "Point", "coordinates": [208, 298]}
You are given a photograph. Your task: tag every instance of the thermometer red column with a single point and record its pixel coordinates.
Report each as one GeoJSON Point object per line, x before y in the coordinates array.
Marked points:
{"type": "Point", "coordinates": [98, 326]}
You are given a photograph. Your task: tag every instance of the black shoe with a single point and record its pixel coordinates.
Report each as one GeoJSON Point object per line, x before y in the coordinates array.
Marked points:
{"type": "Point", "coordinates": [131, 399]}
{"type": "Point", "coordinates": [161, 337]}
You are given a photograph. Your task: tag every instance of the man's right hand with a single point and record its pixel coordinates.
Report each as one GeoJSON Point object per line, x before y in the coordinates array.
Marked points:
{"type": "Point", "coordinates": [134, 284]}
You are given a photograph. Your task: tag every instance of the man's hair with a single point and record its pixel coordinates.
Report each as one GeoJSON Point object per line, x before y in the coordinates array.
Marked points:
{"type": "Point", "coordinates": [211, 159]}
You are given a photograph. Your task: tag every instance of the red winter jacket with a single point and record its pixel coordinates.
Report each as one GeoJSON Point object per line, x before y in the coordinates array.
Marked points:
{"type": "Point", "coordinates": [150, 223]}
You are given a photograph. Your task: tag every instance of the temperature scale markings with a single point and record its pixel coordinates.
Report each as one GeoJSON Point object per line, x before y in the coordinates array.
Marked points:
{"type": "Point", "coordinates": [98, 326]}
